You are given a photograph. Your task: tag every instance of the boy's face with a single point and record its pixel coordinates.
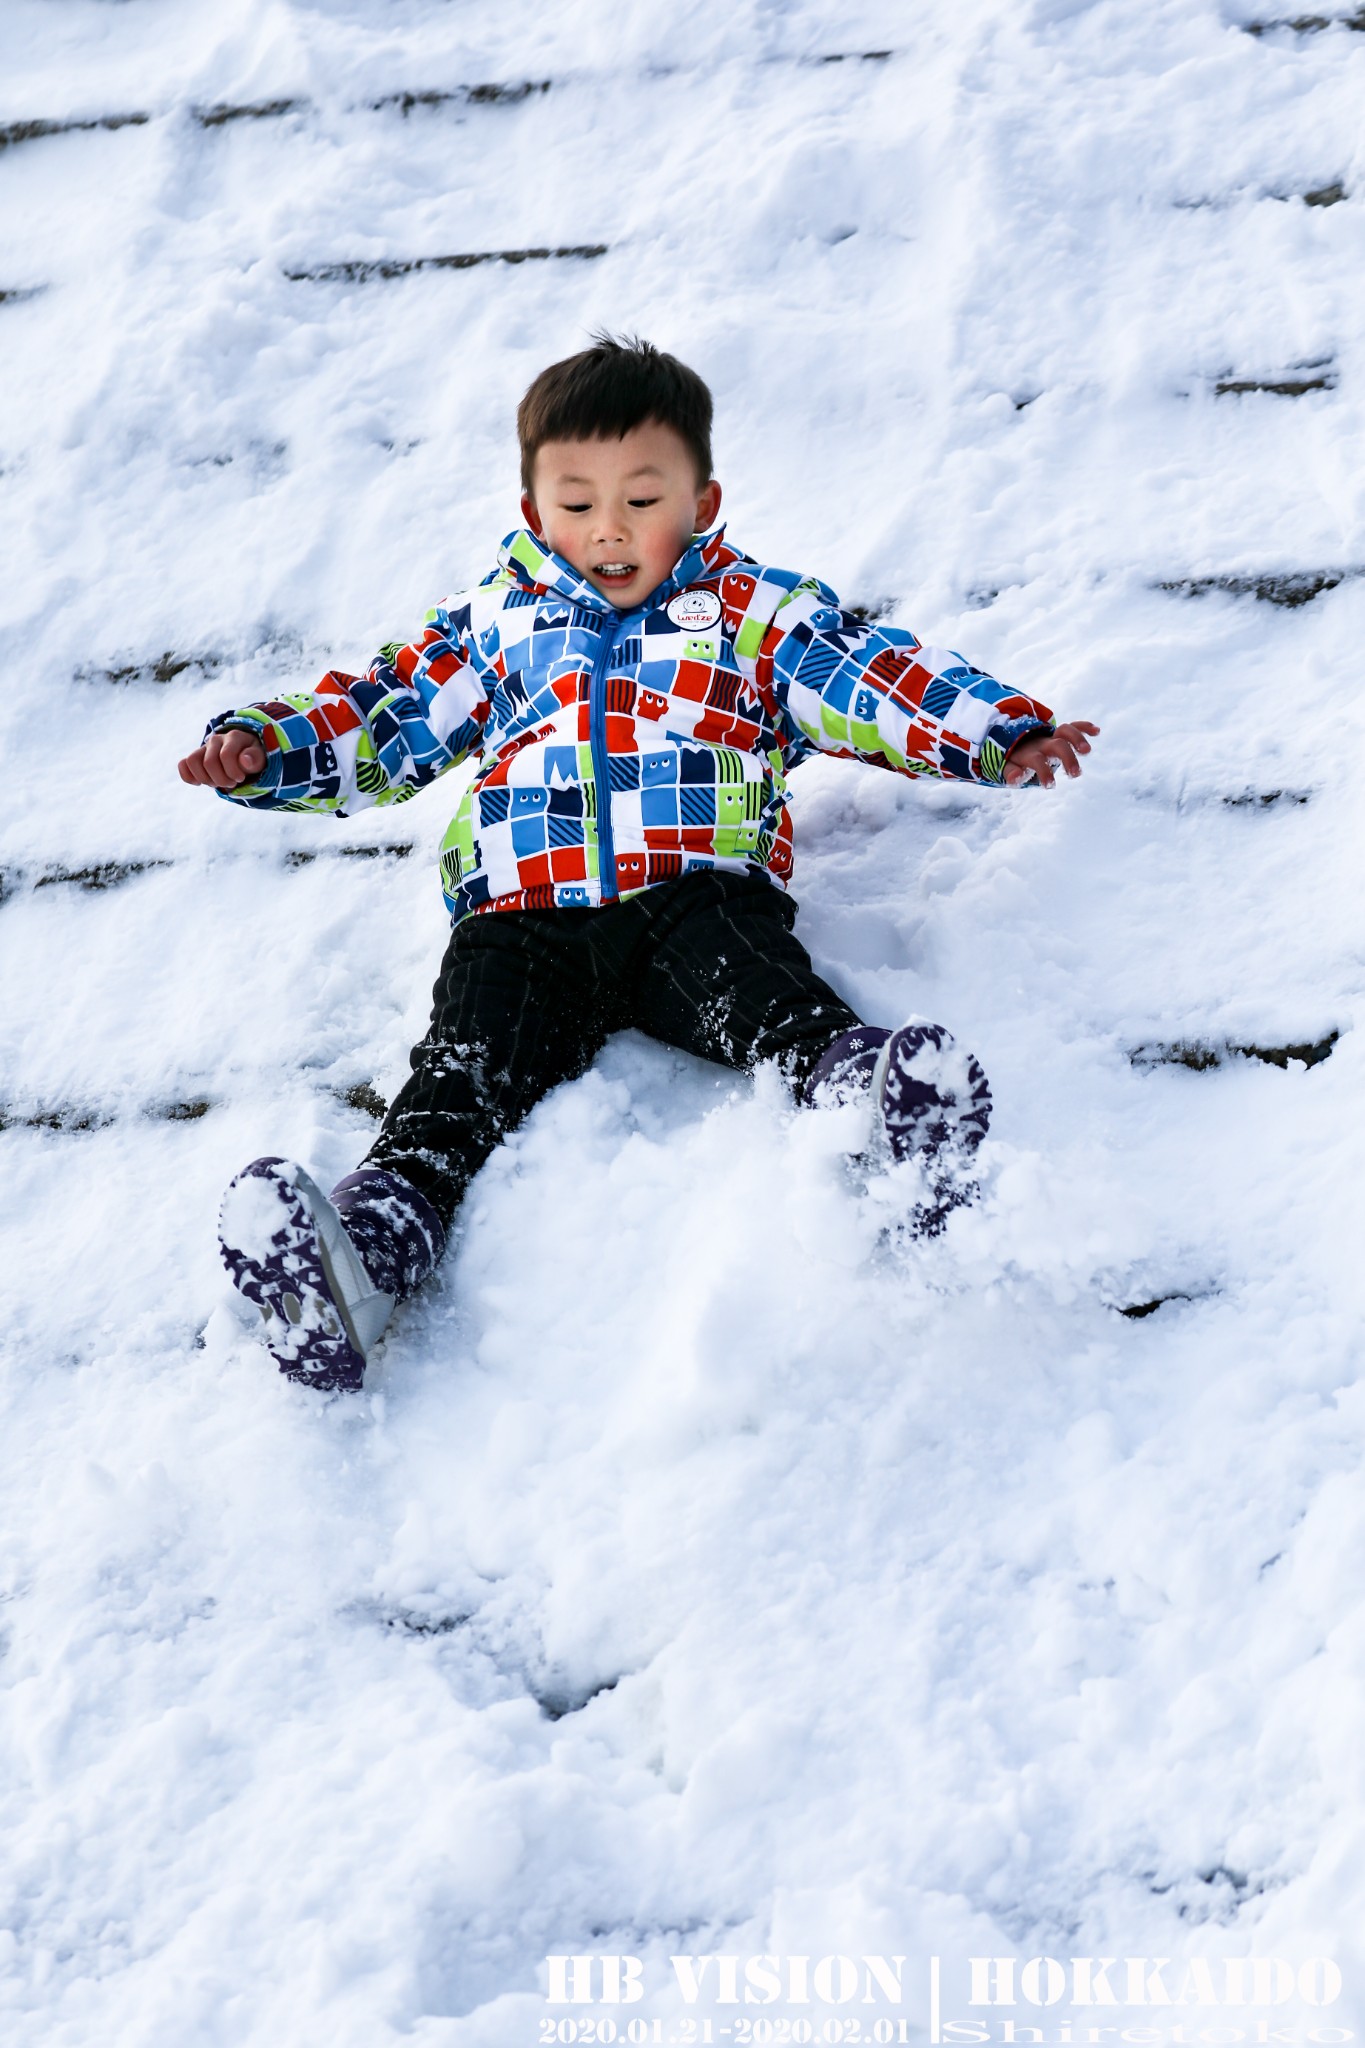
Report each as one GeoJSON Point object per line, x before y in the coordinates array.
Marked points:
{"type": "Point", "coordinates": [620, 512]}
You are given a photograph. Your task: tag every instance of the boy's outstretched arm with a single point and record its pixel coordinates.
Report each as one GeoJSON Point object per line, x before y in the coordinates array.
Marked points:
{"type": "Point", "coordinates": [354, 740]}
{"type": "Point", "coordinates": [874, 692]}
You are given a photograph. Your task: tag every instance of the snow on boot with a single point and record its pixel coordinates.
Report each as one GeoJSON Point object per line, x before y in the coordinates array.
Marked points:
{"type": "Point", "coordinates": [393, 1226]}
{"type": "Point", "coordinates": [933, 1100]}
{"type": "Point", "coordinates": [287, 1250]}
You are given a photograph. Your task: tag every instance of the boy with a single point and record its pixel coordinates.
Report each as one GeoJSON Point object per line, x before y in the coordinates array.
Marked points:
{"type": "Point", "coordinates": [634, 687]}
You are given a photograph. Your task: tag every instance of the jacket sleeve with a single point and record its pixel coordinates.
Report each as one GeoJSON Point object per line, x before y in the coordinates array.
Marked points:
{"type": "Point", "coordinates": [372, 739]}
{"type": "Point", "coordinates": [840, 683]}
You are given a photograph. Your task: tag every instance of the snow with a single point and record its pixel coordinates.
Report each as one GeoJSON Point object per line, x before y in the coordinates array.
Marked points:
{"type": "Point", "coordinates": [706, 1570]}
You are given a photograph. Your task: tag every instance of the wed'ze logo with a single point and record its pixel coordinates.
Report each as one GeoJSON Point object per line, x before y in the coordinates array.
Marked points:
{"type": "Point", "coordinates": [695, 611]}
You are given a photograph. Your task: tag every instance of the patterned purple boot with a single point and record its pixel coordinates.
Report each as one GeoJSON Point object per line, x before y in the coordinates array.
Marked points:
{"type": "Point", "coordinates": [325, 1274]}
{"type": "Point", "coordinates": [934, 1104]}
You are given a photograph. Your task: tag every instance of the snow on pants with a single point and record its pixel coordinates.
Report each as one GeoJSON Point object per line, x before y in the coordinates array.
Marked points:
{"type": "Point", "coordinates": [527, 998]}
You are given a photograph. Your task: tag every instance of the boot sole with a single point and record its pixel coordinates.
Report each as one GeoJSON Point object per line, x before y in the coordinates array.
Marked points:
{"type": "Point", "coordinates": [948, 1127]}
{"type": "Point", "coordinates": [273, 1247]}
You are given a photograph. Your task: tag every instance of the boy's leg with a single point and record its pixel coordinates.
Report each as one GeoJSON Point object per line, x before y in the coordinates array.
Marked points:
{"type": "Point", "coordinates": [723, 975]}
{"type": "Point", "coordinates": [727, 978]}
{"type": "Point", "coordinates": [518, 1007]}
{"type": "Point", "coordinates": [516, 1011]}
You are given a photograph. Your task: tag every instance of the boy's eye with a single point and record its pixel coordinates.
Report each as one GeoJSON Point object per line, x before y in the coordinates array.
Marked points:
{"type": "Point", "coordinates": [638, 504]}
{"type": "Point", "coordinates": [575, 508]}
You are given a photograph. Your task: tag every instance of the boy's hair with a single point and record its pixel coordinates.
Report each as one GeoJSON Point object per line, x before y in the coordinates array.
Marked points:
{"type": "Point", "coordinates": [600, 394]}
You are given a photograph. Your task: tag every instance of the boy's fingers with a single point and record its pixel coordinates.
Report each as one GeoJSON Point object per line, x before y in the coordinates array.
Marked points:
{"type": "Point", "coordinates": [227, 759]}
{"type": "Point", "coordinates": [233, 757]}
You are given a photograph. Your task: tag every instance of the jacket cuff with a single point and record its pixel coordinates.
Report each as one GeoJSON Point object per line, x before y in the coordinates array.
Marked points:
{"type": "Point", "coordinates": [999, 738]}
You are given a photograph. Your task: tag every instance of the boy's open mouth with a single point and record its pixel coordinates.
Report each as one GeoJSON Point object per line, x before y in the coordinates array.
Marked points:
{"type": "Point", "coordinates": [615, 572]}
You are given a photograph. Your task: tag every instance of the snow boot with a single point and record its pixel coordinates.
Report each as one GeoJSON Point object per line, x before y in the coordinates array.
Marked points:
{"type": "Point", "coordinates": [933, 1104]}
{"type": "Point", "coordinates": [325, 1273]}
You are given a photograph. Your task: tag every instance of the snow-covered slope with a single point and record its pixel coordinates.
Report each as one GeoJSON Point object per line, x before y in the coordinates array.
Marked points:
{"type": "Point", "coordinates": [706, 1570]}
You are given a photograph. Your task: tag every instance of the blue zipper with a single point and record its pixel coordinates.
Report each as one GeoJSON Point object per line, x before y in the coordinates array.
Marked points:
{"type": "Point", "coordinates": [601, 768]}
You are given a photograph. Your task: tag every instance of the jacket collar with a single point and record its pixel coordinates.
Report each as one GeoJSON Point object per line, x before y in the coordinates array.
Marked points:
{"type": "Point", "coordinates": [536, 567]}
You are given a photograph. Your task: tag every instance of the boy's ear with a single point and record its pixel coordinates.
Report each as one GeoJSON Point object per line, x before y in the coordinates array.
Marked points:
{"type": "Point", "coordinates": [530, 514]}
{"type": "Point", "coordinates": [708, 504]}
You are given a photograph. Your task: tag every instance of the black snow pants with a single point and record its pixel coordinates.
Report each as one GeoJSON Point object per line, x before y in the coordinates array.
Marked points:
{"type": "Point", "coordinates": [527, 998]}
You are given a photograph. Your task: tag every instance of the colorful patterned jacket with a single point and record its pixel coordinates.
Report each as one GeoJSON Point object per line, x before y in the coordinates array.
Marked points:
{"type": "Point", "coordinates": [617, 749]}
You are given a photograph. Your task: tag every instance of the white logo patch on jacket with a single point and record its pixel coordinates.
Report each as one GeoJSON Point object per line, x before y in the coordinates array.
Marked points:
{"type": "Point", "coordinates": [695, 611]}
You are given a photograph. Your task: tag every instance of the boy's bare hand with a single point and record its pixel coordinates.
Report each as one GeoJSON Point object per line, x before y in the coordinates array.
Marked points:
{"type": "Point", "coordinates": [1043, 752]}
{"type": "Point", "coordinates": [225, 759]}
